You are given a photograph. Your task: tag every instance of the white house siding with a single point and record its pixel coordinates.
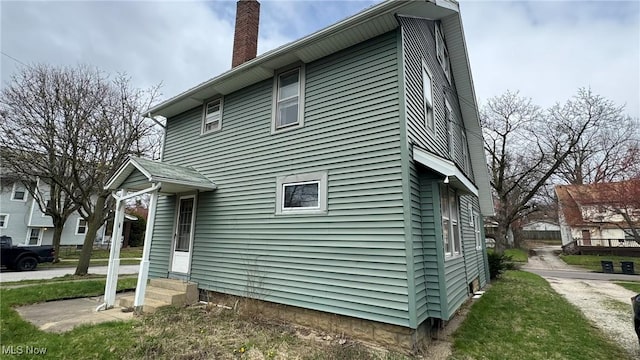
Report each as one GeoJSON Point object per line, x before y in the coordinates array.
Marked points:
{"type": "Point", "coordinates": [351, 261]}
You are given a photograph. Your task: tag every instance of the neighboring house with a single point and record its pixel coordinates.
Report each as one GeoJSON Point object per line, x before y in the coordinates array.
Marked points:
{"type": "Point", "coordinates": [343, 172]}
{"type": "Point", "coordinates": [541, 225]}
{"type": "Point", "coordinates": [587, 215]}
{"type": "Point", "coordinates": [21, 218]}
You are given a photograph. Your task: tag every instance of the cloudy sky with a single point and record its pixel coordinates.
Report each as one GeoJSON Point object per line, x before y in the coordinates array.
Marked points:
{"type": "Point", "coordinates": [544, 49]}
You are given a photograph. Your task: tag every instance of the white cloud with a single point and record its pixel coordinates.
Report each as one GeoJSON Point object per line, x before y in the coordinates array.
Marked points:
{"type": "Point", "coordinates": [548, 50]}
{"type": "Point", "coordinates": [545, 49]}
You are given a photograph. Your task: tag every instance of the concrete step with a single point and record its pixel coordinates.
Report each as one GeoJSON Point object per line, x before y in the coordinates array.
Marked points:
{"type": "Point", "coordinates": [173, 284]}
{"type": "Point", "coordinates": [171, 297]}
{"type": "Point", "coordinates": [150, 305]}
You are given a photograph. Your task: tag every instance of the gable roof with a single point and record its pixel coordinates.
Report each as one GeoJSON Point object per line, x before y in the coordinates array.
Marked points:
{"type": "Point", "coordinates": [367, 24]}
{"type": "Point", "coordinates": [571, 198]}
{"type": "Point", "coordinates": [174, 178]}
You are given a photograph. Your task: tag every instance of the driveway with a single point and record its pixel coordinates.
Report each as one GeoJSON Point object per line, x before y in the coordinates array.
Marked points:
{"type": "Point", "coordinates": [38, 274]}
{"type": "Point", "coordinates": [606, 304]}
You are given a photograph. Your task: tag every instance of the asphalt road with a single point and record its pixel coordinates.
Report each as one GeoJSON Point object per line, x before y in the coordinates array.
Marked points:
{"type": "Point", "coordinates": [8, 275]}
{"type": "Point", "coordinates": [547, 264]}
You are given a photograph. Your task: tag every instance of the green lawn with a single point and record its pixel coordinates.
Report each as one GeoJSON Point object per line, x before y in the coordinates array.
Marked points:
{"type": "Point", "coordinates": [517, 255]}
{"type": "Point", "coordinates": [93, 262]}
{"type": "Point", "coordinates": [521, 317]}
{"type": "Point", "coordinates": [126, 253]}
{"type": "Point", "coordinates": [592, 262]}
{"type": "Point", "coordinates": [631, 285]}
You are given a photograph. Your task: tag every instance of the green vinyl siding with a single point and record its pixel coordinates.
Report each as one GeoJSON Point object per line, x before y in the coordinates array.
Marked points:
{"type": "Point", "coordinates": [349, 261]}
{"type": "Point", "coordinates": [162, 236]}
{"type": "Point", "coordinates": [428, 299]}
{"type": "Point", "coordinates": [135, 179]}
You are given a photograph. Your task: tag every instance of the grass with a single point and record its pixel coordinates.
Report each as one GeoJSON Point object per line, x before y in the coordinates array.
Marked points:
{"type": "Point", "coordinates": [521, 317]}
{"type": "Point", "coordinates": [517, 255]}
{"type": "Point", "coordinates": [103, 341]}
{"type": "Point", "coordinates": [93, 262]}
{"type": "Point", "coordinates": [203, 332]}
{"type": "Point", "coordinates": [633, 286]}
{"type": "Point", "coordinates": [592, 262]}
{"type": "Point", "coordinates": [126, 253]}
{"type": "Point", "coordinates": [65, 278]}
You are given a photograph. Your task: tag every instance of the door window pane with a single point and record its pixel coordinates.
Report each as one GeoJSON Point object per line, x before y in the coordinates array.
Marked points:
{"type": "Point", "coordinates": [184, 224]}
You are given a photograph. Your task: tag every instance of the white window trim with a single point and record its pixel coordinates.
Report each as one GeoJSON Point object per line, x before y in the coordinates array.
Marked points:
{"type": "Point", "coordinates": [442, 54]}
{"type": "Point", "coordinates": [86, 225]}
{"type": "Point", "coordinates": [301, 98]}
{"type": "Point", "coordinates": [429, 112]}
{"type": "Point", "coordinates": [476, 230]}
{"type": "Point", "coordinates": [465, 151]}
{"type": "Point", "coordinates": [319, 177]}
{"type": "Point", "coordinates": [204, 116]}
{"type": "Point", "coordinates": [40, 233]}
{"type": "Point", "coordinates": [450, 131]}
{"type": "Point", "coordinates": [456, 246]}
{"type": "Point", "coordinates": [6, 221]}
{"type": "Point", "coordinates": [13, 193]}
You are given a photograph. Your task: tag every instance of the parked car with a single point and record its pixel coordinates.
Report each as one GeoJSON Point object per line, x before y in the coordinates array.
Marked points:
{"type": "Point", "coordinates": [23, 258]}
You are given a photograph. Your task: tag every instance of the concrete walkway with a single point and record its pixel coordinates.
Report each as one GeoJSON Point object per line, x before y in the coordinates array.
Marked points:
{"type": "Point", "coordinates": [64, 315]}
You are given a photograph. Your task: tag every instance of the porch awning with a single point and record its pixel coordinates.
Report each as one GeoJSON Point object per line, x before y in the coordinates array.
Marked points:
{"type": "Point", "coordinates": [139, 174]}
{"type": "Point", "coordinates": [446, 168]}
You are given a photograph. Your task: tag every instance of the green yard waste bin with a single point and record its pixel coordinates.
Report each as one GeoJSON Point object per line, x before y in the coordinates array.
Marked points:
{"type": "Point", "coordinates": [627, 267]}
{"type": "Point", "coordinates": [607, 266]}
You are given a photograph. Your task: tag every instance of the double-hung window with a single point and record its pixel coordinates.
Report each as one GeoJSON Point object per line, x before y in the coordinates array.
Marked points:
{"type": "Point", "coordinates": [450, 127]}
{"type": "Point", "coordinates": [427, 92]}
{"type": "Point", "coordinates": [19, 192]}
{"type": "Point", "coordinates": [450, 222]}
{"type": "Point", "coordinates": [301, 194]}
{"type": "Point", "coordinates": [81, 227]}
{"type": "Point", "coordinates": [212, 116]}
{"type": "Point", "coordinates": [34, 236]}
{"type": "Point", "coordinates": [476, 229]}
{"type": "Point", "coordinates": [441, 52]}
{"type": "Point", "coordinates": [4, 221]}
{"type": "Point", "coordinates": [288, 99]}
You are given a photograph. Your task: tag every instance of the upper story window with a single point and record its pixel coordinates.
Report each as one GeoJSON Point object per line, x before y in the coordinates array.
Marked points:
{"type": "Point", "coordinates": [212, 116]}
{"type": "Point", "coordinates": [465, 151]}
{"type": "Point", "coordinates": [19, 192]}
{"type": "Point", "coordinates": [448, 117]}
{"type": "Point", "coordinates": [288, 97]}
{"type": "Point", "coordinates": [441, 52]}
{"type": "Point", "coordinates": [4, 221]}
{"type": "Point", "coordinates": [427, 92]}
{"type": "Point", "coordinates": [450, 222]}
{"type": "Point", "coordinates": [301, 194]}
{"type": "Point", "coordinates": [81, 228]}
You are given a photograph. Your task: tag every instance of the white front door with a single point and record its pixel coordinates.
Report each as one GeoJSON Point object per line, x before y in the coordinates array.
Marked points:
{"type": "Point", "coordinates": [183, 236]}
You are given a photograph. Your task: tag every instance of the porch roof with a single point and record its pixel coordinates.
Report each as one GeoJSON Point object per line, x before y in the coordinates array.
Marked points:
{"type": "Point", "coordinates": [173, 178]}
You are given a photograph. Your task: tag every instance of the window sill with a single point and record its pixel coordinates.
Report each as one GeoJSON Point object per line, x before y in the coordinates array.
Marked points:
{"type": "Point", "coordinates": [301, 212]}
{"type": "Point", "coordinates": [448, 257]}
{"type": "Point", "coordinates": [286, 128]}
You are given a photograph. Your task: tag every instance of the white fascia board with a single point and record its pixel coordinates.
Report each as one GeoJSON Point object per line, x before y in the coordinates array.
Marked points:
{"type": "Point", "coordinates": [444, 167]}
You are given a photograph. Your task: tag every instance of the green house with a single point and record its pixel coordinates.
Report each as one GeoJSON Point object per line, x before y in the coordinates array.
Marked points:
{"type": "Point", "coordinates": [342, 173]}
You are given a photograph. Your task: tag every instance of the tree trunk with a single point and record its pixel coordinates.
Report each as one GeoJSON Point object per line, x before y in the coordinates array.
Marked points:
{"type": "Point", "coordinates": [58, 226]}
{"type": "Point", "coordinates": [93, 224]}
{"type": "Point", "coordinates": [501, 238]}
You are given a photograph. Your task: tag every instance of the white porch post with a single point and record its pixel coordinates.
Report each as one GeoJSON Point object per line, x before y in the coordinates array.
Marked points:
{"type": "Point", "coordinates": [144, 264]}
{"type": "Point", "coordinates": [114, 255]}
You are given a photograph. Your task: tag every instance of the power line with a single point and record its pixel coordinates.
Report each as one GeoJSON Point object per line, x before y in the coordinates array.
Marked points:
{"type": "Point", "coordinates": [14, 59]}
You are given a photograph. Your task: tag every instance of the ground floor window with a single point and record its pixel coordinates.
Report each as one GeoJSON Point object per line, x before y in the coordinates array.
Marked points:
{"type": "Point", "coordinates": [34, 237]}
{"type": "Point", "coordinates": [450, 221]}
{"type": "Point", "coordinates": [301, 194]}
{"type": "Point", "coordinates": [81, 228]}
{"type": "Point", "coordinates": [4, 220]}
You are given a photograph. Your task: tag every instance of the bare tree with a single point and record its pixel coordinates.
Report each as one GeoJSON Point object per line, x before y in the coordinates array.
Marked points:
{"type": "Point", "coordinates": [95, 123]}
{"type": "Point", "coordinates": [526, 146]}
{"type": "Point", "coordinates": [607, 153]}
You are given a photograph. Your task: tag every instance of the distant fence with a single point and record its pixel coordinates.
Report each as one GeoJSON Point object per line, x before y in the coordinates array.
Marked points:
{"type": "Point", "coordinates": [541, 235]}
{"type": "Point", "coordinates": [617, 247]}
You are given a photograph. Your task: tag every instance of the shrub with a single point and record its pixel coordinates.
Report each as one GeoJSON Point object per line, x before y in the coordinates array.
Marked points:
{"type": "Point", "coordinates": [499, 263]}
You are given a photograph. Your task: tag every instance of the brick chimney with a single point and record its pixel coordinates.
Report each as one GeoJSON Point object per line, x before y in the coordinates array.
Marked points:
{"type": "Point", "coordinates": [245, 39]}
